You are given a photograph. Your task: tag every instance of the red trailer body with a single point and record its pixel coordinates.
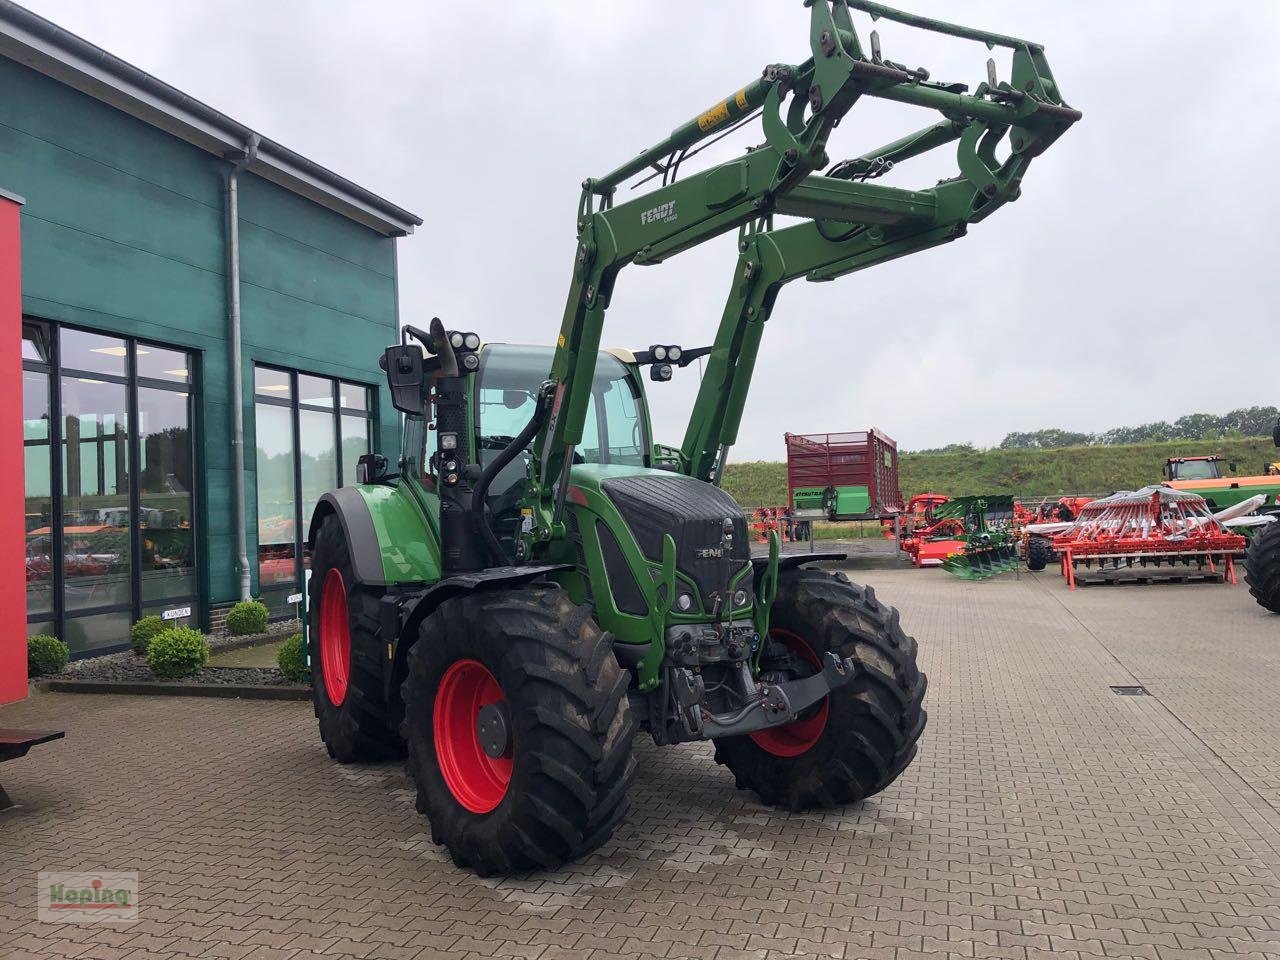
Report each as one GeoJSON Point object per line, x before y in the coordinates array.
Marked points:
{"type": "Point", "coordinates": [843, 476]}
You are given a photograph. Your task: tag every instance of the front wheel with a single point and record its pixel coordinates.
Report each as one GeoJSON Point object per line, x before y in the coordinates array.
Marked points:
{"type": "Point", "coordinates": [346, 655]}
{"type": "Point", "coordinates": [518, 729]}
{"type": "Point", "coordinates": [857, 740]}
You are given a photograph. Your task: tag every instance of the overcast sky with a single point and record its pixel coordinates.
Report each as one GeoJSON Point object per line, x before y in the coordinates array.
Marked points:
{"type": "Point", "coordinates": [1134, 280]}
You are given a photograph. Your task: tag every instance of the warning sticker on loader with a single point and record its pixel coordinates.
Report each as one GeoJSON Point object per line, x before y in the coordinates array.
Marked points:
{"type": "Point", "coordinates": [714, 117]}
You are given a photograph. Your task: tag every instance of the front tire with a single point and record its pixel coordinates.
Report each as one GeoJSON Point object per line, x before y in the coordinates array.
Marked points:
{"type": "Point", "coordinates": [860, 738]}
{"type": "Point", "coordinates": [552, 784]}
{"type": "Point", "coordinates": [1262, 567]}
{"type": "Point", "coordinates": [346, 655]}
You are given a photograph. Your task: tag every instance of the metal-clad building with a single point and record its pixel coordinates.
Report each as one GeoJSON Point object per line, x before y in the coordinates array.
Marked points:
{"type": "Point", "coordinates": [129, 261]}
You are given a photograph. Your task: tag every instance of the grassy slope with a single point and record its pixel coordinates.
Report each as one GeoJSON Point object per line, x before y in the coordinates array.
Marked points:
{"type": "Point", "coordinates": [1029, 472]}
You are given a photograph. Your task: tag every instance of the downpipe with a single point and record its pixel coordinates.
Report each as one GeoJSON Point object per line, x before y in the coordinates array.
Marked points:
{"type": "Point", "coordinates": [235, 356]}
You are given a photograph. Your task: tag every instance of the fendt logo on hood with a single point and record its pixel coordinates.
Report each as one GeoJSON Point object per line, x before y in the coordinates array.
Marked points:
{"type": "Point", "coordinates": [709, 553]}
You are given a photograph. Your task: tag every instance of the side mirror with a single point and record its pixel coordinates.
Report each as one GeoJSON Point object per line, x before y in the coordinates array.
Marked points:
{"type": "Point", "coordinates": [403, 364]}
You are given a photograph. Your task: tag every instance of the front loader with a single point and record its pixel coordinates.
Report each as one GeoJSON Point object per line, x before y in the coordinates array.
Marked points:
{"type": "Point", "coordinates": [540, 580]}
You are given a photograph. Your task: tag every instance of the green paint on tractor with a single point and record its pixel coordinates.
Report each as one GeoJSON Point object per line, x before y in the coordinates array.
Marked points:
{"type": "Point", "coordinates": [552, 578]}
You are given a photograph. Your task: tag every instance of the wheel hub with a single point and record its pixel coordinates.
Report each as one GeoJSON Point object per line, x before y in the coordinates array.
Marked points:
{"type": "Point", "coordinates": [493, 728]}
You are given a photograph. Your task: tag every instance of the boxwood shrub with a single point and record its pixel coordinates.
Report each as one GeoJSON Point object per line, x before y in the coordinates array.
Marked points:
{"type": "Point", "coordinates": [143, 631]}
{"type": "Point", "coordinates": [177, 652]}
{"type": "Point", "coordinates": [46, 655]}
{"type": "Point", "coordinates": [292, 660]}
{"type": "Point", "coordinates": [246, 617]}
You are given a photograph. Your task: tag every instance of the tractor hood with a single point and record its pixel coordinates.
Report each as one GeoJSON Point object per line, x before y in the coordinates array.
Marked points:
{"type": "Point", "coordinates": [708, 526]}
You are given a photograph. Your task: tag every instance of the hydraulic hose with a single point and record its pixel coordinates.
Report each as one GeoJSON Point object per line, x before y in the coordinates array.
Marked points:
{"type": "Point", "coordinates": [504, 457]}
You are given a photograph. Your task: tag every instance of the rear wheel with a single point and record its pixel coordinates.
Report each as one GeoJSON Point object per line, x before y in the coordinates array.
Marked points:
{"type": "Point", "coordinates": [1039, 553]}
{"type": "Point", "coordinates": [1262, 567]}
{"type": "Point", "coordinates": [859, 739]}
{"type": "Point", "coordinates": [346, 655]}
{"type": "Point", "coordinates": [518, 729]}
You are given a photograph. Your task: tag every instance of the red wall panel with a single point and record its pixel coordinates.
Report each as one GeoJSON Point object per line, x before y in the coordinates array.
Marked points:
{"type": "Point", "coordinates": [13, 577]}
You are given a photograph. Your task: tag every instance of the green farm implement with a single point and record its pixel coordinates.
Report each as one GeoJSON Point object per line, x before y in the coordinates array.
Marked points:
{"type": "Point", "coordinates": [539, 579]}
{"type": "Point", "coordinates": [987, 550]}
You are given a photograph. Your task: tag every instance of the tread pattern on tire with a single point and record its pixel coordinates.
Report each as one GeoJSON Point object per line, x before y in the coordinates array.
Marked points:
{"type": "Point", "coordinates": [1039, 553]}
{"type": "Point", "coordinates": [875, 720]}
{"type": "Point", "coordinates": [1262, 567]}
{"type": "Point", "coordinates": [572, 726]}
{"type": "Point", "coordinates": [362, 728]}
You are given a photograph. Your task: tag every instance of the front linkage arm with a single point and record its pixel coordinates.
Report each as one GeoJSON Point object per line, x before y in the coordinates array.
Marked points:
{"type": "Point", "coordinates": [871, 223]}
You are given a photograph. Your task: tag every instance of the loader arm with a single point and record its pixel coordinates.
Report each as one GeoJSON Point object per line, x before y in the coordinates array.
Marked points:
{"type": "Point", "coordinates": [877, 224]}
{"type": "Point", "coordinates": [777, 176]}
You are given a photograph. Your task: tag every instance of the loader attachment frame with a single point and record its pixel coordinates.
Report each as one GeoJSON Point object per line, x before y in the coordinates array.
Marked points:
{"type": "Point", "coordinates": [798, 106]}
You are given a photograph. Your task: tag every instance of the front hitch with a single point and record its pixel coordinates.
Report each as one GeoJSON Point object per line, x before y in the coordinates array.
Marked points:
{"type": "Point", "coordinates": [770, 705]}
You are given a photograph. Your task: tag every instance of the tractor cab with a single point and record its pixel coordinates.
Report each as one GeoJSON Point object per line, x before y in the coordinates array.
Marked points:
{"type": "Point", "coordinates": [1192, 468]}
{"type": "Point", "coordinates": [504, 397]}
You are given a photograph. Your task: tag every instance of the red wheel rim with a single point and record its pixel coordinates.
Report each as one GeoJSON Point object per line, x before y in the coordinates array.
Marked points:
{"type": "Point", "coordinates": [477, 781]}
{"type": "Point", "coordinates": [799, 735]}
{"type": "Point", "coordinates": [335, 637]}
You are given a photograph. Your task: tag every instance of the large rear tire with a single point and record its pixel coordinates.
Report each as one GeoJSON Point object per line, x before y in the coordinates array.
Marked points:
{"type": "Point", "coordinates": [1262, 567]}
{"type": "Point", "coordinates": [1039, 553]}
{"type": "Point", "coordinates": [859, 739]}
{"type": "Point", "coordinates": [346, 655]}
{"type": "Point", "coordinates": [538, 667]}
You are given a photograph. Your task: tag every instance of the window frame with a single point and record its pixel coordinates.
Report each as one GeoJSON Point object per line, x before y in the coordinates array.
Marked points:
{"type": "Point", "coordinates": [293, 403]}
{"type": "Point", "coordinates": [53, 370]}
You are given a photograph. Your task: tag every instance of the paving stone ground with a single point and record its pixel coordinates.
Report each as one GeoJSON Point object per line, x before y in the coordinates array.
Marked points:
{"type": "Point", "coordinates": [1045, 816]}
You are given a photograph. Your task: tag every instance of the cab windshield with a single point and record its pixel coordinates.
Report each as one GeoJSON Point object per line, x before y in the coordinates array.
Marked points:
{"type": "Point", "coordinates": [508, 381]}
{"type": "Point", "coordinates": [615, 431]}
{"type": "Point", "coordinates": [1196, 470]}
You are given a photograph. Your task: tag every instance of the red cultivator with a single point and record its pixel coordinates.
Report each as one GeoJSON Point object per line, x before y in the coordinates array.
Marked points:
{"type": "Point", "coordinates": [1154, 533]}
{"type": "Point", "coordinates": [927, 540]}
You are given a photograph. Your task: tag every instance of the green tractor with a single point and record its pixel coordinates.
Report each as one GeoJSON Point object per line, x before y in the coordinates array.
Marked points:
{"type": "Point", "coordinates": [539, 580]}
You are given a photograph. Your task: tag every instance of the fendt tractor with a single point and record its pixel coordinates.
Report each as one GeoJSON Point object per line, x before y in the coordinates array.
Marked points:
{"type": "Point", "coordinates": [539, 579]}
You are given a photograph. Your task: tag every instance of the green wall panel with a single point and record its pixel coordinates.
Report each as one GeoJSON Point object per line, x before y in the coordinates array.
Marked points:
{"type": "Point", "coordinates": [123, 232]}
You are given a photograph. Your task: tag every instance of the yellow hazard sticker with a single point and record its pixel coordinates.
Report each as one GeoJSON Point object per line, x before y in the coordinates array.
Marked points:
{"type": "Point", "coordinates": [561, 341]}
{"type": "Point", "coordinates": [740, 98]}
{"type": "Point", "coordinates": [714, 117]}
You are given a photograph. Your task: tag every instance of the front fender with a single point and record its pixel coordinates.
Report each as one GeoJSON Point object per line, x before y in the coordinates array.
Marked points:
{"type": "Point", "coordinates": [391, 539]}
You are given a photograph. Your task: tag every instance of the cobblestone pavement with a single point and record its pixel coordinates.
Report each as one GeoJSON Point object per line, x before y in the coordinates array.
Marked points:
{"type": "Point", "coordinates": [1045, 816]}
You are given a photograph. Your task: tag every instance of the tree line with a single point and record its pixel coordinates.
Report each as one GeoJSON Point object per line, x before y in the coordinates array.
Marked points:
{"type": "Point", "coordinates": [1245, 422]}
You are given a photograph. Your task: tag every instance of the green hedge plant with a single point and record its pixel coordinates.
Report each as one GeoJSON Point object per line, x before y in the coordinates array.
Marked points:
{"type": "Point", "coordinates": [177, 652]}
{"type": "Point", "coordinates": [143, 631]}
{"type": "Point", "coordinates": [292, 660]}
{"type": "Point", "coordinates": [46, 655]}
{"type": "Point", "coordinates": [246, 617]}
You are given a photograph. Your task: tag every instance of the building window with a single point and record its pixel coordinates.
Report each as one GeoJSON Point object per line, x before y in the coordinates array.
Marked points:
{"type": "Point", "coordinates": [310, 432]}
{"type": "Point", "coordinates": [109, 483]}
